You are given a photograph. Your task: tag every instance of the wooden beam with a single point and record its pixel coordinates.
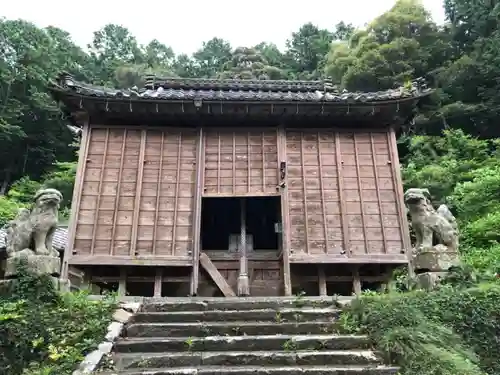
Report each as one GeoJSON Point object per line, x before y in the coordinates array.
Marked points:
{"type": "Point", "coordinates": [356, 281]}
{"type": "Point", "coordinates": [395, 259]}
{"type": "Point", "coordinates": [340, 181]}
{"type": "Point", "coordinates": [398, 186]}
{"type": "Point", "coordinates": [141, 279]}
{"type": "Point", "coordinates": [341, 279]}
{"type": "Point", "coordinates": [243, 283]}
{"type": "Point", "coordinates": [322, 281]}
{"type": "Point", "coordinates": [158, 282]}
{"type": "Point", "coordinates": [216, 276]}
{"type": "Point", "coordinates": [200, 176]}
{"type": "Point", "coordinates": [122, 283]}
{"type": "Point", "coordinates": [285, 215]}
{"type": "Point", "coordinates": [75, 201]}
{"type": "Point", "coordinates": [119, 260]}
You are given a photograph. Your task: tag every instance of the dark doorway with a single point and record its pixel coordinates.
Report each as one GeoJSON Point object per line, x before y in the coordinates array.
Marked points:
{"type": "Point", "coordinates": [221, 218]}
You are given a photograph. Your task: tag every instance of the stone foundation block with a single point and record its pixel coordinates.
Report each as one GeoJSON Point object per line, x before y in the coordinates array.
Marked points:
{"type": "Point", "coordinates": [38, 264]}
{"type": "Point", "coordinates": [435, 260]}
{"type": "Point", "coordinates": [429, 280]}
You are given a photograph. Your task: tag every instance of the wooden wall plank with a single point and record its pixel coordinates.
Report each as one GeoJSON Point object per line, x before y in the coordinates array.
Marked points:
{"type": "Point", "coordinates": [342, 205]}
{"type": "Point", "coordinates": [118, 192]}
{"type": "Point", "coordinates": [99, 192]}
{"type": "Point", "coordinates": [138, 193]}
{"type": "Point", "coordinates": [240, 163]}
{"type": "Point", "coordinates": [137, 190]}
{"type": "Point", "coordinates": [158, 191]}
{"type": "Point", "coordinates": [377, 188]}
{"type": "Point", "coordinates": [343, 202]}
{"type": "Point", "coordinates": [360, 189]}
{"type": "Point", "coordinates": [313, 192]}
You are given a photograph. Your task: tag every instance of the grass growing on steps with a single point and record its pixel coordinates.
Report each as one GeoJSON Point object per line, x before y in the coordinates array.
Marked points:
{"type": "Point", "coordinates": [44, 332]}
{"type": "Point", "coordinates": [450, 331]}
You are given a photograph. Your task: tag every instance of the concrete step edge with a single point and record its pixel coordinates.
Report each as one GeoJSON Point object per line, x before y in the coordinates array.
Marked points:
{"type": "Point", "coordinates": [241, 338]}
{"type": "Point", "coordinates": [240, 352]}
{"type": "Point", "coordinates": [256, 370]}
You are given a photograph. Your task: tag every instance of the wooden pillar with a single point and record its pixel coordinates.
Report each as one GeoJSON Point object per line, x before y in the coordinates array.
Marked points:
{"type": "Point", "coordinates": [322, 281]}
{"type": "Point", "coordinates": [158, 282]}
{"type": "Point", "coordinates": [86, 280]}
{"type": "Point", "coordinates": [243, 283]}
{"type": "Point", "coordinates": [122, 283]}
{"type": "Point", "coordinates": [356, 281]}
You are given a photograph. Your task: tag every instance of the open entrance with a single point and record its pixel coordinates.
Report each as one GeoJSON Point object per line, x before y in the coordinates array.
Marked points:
{"type": "Point", "coordinates": [221, 223]}
{"type": "Point", "coordinates": [240, 243]}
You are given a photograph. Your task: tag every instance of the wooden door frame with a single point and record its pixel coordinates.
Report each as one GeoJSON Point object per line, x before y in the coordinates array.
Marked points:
{"type": "Point", "coordinates": [285, 219]}
{"type": "Point", "coordinates": [196, 244]}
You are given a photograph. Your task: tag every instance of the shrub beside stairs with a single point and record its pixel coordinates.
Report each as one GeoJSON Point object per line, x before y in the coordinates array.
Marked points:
{"type": "Point", "coordinates": [241, 336]}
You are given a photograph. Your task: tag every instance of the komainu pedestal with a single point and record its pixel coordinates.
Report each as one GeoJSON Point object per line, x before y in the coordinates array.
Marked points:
{"type": "Point", "coordinates": [433, 264]}
{"type": "Point", "coordinates": [436, 232]}
{"type": "Point", "coordinates": [37, 264]}
{"type": "Point", "coordinates": [29, 237]}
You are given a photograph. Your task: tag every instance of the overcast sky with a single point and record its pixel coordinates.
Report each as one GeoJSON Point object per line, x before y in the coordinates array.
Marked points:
{"type": "Point", "coordinates": [185, 24]}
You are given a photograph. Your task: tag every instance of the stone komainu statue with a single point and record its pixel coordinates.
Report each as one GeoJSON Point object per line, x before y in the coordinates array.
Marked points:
{"type": "Point", "coordinates": [431, 227]}
{"type": "Point", "coordinates": [34, 230]}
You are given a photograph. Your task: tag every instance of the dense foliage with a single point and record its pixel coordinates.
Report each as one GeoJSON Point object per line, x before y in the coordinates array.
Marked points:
{"type": "Point", "coordinates": [450, 331]}
{"type": "Point", "coordinates": [43, 332]}
{"type": "Point", "coordinates": [451, 147]}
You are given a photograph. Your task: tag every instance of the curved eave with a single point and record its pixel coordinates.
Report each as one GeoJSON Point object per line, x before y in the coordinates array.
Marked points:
{"type": "Point", "coordinates": [65, 96]}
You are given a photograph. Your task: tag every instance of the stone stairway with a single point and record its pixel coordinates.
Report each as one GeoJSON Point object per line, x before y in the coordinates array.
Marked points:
{"type": "Point", "coordinates": [241, 336]}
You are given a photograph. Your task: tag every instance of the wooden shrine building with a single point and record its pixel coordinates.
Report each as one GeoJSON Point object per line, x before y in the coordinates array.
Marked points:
{"type": "Point", "coordinates": [225, 187]}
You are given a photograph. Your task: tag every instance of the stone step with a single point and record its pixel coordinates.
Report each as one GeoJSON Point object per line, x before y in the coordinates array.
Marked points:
{"type": "Point", "coordinates": [197, 329]}
{"type": "Point", "coordinates": [241, 343]}
{"type": "Point", "coordinates": [238, 303]}
{"type": "Point", "coordinates": [246, 358]}
{"type": "Point", "coordinates": [259, 370]}
{"type": "Point", "coordinates": [267, 315]}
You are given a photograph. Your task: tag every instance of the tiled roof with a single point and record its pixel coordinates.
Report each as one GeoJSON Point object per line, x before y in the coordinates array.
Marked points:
{"type": "Point", "coordinates": [177, 89]}
{"type": "Point", "coordinates": [59, 242]}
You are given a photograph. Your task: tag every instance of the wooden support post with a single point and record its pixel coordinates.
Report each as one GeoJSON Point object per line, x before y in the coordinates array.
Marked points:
{"type": "Point", "coordinates": [285, 214]}
{"type": "Point", "coordinates": [322, 281]}
{"type": "Point", "coordinates": [158, 282]}
{"type": "Point", "coordinates": [356, 281]}
{"type": "Point", "coordinates": [122, 284]}
{"type": "Point", "coordinates": [243, 284]}
{"type": "Point", "coordinates": [87, 280]}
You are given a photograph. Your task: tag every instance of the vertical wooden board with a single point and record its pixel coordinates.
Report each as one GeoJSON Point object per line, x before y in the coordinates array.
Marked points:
{"type": "Point", "coordinates": [76, 200]}
{"type": "Point", "coordinates": [396, 239]}
{"type": "Point", "coordinates": [104, 218]}
{"type": "Point", "coordinates": [240, 162]}
{"type": "Point", "coordinates": [87, 212]}
{"type": "Point", "coordinates": [369, 192]}
{"type": "Point", "coordinates": [313, 192]}
{"type": "Point", "coordinates": [165, 211]}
